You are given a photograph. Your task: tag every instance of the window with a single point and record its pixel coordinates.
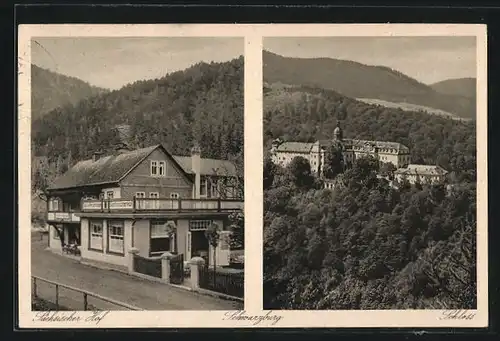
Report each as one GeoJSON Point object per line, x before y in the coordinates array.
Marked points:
{"type": "Point", "coordinates": [230, 191]}
{"type": "Point", "coordinates": [95, 242]}
{"type": "Point", "coordinates": [154, 204]}
{"type": "Point", "coordinates": [199, 225]}
{"type": "Point", "coordinates": [214, 193]}
{"type": "Point", "coordinates": [54, 205]}
{"type": "Point", "coordinates": [115, 237]}
{"type": "Point", "coordinates": [161, 168]}
{"type": "Point", "coordinates": [141, 204]}
{"type": "Point", "coordinates": [109, 194]}
{"type": "Point", "coordinates": [158, 168]}
{"type": "Point", "coordinates": [154, 168]}
{"type": "Point", "coordinates": [203, 186]}
{"type": "Point", "coordinates": [160, 241]}
{"type": "Point", "coordinates": [174, 196]}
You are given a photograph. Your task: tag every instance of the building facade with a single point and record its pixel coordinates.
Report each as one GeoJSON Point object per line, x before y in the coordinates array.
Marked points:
{"type": "Point", "coordinates": [146, 199]}
{"type": "Point", "coordinates": [425, 174]}
{"type": "Point", "coordinates": [389, 152]}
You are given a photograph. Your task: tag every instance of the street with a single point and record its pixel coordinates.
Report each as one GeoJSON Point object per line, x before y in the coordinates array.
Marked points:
{"type": "Point", "coordinates": [135, 291]}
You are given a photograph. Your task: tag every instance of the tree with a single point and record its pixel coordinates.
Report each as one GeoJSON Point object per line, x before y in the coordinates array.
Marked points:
{"type": "Point", "coordinates": [334, 161]}
{"type": "Point", "coordinates": [269, 172]}
{"type": "Point", "coordinates": [212, 233]}
{"type": "Point", "coordinates": [300, 171]}
{"type": "Point", "coordinates": [387, 169]}
{"type": "Point", "coordinates": [171, 228]}
{"type": "Point", "coordinates": [237, 224]}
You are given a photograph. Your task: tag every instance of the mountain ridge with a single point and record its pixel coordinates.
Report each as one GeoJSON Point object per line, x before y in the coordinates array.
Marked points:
{"type": "Point", "coordinates": [465, 86]}
{"type": "Point", "coordinates": [51, 90]}
{"type": "Point", "coordinates": [357, 80]}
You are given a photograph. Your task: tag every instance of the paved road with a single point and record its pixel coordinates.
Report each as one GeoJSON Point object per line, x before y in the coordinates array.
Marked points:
{"type": "Point", "coordinates": [118, 286]}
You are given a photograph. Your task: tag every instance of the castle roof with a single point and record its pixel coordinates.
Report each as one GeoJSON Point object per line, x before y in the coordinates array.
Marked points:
{"type": "Point", "coordinates": [305, 147]}
{"type": "Point", "coordinates": [295, 147]}
{"type": "Point", "coordinates": [413, 169]}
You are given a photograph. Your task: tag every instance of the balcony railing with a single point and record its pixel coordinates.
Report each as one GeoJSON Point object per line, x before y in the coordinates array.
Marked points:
{"type": "Point", "coordinates": [161, 204]}
{"type": "Point", "coordinates": [63, 217]}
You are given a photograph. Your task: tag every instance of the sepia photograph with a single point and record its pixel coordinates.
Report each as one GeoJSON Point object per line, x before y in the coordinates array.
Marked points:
{"type": "Point", "coordinates": [252, 176]}
{"type": "Point", "coordinates": [369, 172]}
{"type": "Point", "coordinates": [137, 173]}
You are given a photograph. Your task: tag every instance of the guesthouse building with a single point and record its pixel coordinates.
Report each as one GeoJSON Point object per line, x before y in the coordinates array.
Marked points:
{"type": "Point", "coordinates": [146, 199]}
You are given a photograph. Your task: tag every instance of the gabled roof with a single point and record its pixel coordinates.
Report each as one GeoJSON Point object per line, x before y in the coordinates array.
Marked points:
{"type": "Point", "coordinates": [208, 166]}
{"type": "Point", "coordinates": [112, 168]}
{"type": "Point", "coordinates": [295, 147]}
{"type": "Point", "coordinates": [414, 169]}
{"type": "Point", "coordinates": [108, 169]}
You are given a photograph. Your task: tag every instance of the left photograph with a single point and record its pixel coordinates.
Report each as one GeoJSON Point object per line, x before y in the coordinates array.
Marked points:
{"type": "Point", "coordinates": [137, 173]}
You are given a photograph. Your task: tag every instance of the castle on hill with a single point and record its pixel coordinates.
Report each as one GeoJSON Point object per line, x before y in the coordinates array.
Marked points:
{"type": "Point", "coordinates": [282, 153]}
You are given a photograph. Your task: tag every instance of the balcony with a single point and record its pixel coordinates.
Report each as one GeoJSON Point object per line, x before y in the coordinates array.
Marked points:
{"type": "Point", "coordinates": [154, 205]}
{"type": "Point", "coordinates": [63, 217]}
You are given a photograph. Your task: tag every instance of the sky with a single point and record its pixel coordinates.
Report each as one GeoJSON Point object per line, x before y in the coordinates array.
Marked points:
{"type": "Point", "coordinates": [114, 62]}
{"type": "Point", "coordinates": [427, 59]}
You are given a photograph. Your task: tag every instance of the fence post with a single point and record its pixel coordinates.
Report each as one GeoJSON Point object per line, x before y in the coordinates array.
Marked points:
{"type": "Point", "coordinates": [165, 267]}
{"type": "Point", "coordinates": [34, 288]}
{"type": "Point", "coordinates": [57, 297]}
{"type": "Point", "coordinates": [196, 263]}
{"type": "Point", "coordinates": [85, 302]}
{"type": "Point", "coordinates": [131, 253]}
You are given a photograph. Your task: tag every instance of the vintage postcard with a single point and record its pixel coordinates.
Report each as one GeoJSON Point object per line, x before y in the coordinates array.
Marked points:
{"type": "Point", "coordinates": [252, 176]}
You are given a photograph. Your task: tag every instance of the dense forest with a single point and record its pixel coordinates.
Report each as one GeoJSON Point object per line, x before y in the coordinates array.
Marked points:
{"type": "Point", "coordinates": [203, 103]}
{"type": "Point", "coordinates": [366, 244]}
{"type": "Point", "coordinates": [358, 80]}
{"type": "Point", "coordinates": [50, 90]}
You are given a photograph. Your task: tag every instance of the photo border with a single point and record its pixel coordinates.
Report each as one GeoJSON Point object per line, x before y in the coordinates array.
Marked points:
{"type": "Point", "coordinates": [253, 34]}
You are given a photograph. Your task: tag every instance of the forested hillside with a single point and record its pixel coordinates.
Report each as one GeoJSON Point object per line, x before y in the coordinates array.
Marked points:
{"type": "Point", "coordinates": [202, 103]}
{"type": "Point", "coordinates": [50, 90]}
{"type": "Point", "coordinates": [365, 244]}
{"type": "Point", "coordinates": [308, 114]}
{"type": "Point", "coordinates": [357, 80]}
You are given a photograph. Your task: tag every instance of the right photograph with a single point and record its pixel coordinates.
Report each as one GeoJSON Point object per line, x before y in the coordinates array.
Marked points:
{"type": "Point", "coordinates": [369, 173]}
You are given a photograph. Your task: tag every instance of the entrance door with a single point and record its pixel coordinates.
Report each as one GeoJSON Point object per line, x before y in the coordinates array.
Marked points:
{"type": "Point", "coordinates": [73, 234]}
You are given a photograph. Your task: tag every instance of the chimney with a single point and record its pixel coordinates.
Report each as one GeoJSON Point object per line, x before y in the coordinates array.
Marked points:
{"type": "Point", "coordinates": [196, 168]}
{"type": "Point", "coordinates": [96, 155]}
{"type": "Point", "coordinates": [123, 135]}
{"type": "Point", "coordinates": [121, 148]}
